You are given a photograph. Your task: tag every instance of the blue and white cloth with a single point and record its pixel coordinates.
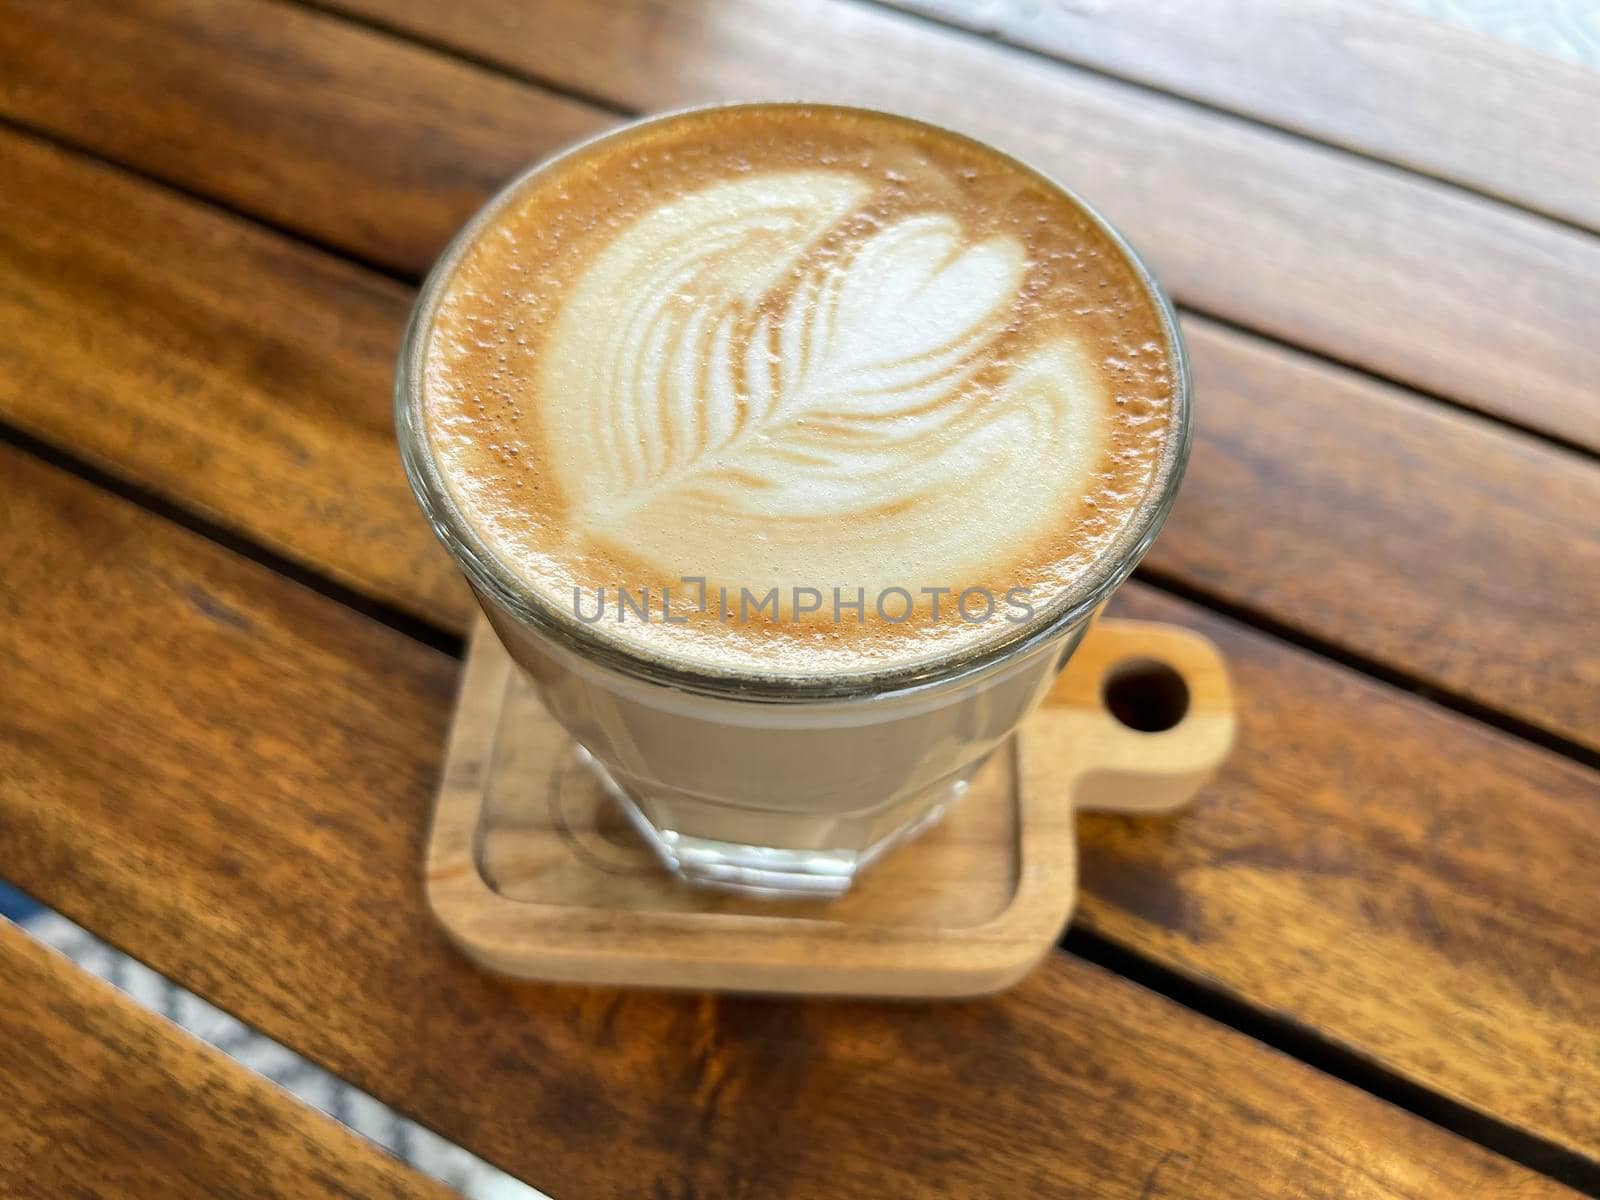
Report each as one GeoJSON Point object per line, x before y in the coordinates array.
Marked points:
{"type": "Point", "coordinates": [424, 1150]}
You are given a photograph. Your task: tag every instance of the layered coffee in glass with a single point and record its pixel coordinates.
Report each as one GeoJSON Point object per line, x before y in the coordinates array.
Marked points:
{"type": "Point", "coordinates": [789, 449]}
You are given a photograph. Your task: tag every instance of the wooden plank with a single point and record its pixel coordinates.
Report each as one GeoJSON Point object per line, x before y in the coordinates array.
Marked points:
{"type": "Point", "coordinates": [289, 115]}
{"type": "Point", "coordinates": [105, 1099]}
{"type": "Point", "coordinates": [1353, 511]}
{"type": "Point", "coordinates": [230, 774]}
{"type": "Point", "coordinates": [1354, 259]}
{"type": "Point", "coordinates": [240, 372]}
{"type": "Point", "coordinates": [1370, 77]}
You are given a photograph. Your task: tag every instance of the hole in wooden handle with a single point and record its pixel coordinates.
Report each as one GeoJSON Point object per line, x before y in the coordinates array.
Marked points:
{"type": "Point", "coordinates": [1146, 695]}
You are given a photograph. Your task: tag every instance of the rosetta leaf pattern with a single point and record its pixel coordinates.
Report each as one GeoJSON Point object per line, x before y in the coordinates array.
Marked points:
{"type": "Point", "coordinates": [732, 366]}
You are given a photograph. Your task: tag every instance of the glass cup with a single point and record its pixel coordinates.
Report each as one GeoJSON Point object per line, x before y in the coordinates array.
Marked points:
{"type": "Point", "coordinates": [782, 786]}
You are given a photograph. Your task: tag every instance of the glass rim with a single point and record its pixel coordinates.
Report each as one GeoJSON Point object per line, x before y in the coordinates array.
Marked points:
{"type": "Point", "coordinates": [494, 579]}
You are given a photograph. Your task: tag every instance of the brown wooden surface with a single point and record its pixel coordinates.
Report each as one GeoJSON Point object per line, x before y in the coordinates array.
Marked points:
{"type": "Point", "coordinates": [228, 774]}
{"type": "Point", "coordinates": [102, 1098]}
{"type": "Point", "coordinates": [237, 371]}
{"type": "Point", "coordinates": [1522, 491]}
{"type": "Point", "coordinates": [241, 822]}
{"type": "Point", "coordinates": [1364, 74]}
{"type": "Point", "coordinates": [233, 98]}
{"type": "Point", "coordinates": [1417, 887]}
{"type": "Point", "coordinates": [1244, 223]}
{"type": "Point", "coordinates": [1358, 751]}
{"type": "Point", "coordinates": [1355, 512]}
{"type": "Point", "coordinates": [1368, 264]}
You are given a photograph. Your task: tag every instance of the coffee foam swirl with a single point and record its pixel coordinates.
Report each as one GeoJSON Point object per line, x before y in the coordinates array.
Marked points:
{"type": "Point", "coordinates": [783, 347]}
{"type": "Point", "coordinates": [730, 401]}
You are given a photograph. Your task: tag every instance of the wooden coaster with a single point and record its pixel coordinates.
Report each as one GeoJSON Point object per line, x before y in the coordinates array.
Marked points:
{"type": "Point", "coordinates": [533, 872]}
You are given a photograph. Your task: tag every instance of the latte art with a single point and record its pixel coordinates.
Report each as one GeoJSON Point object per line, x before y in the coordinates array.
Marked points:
{"type": "Point", "coordinates": [718, 383]}
{"type": "Point", "coordinates": [802, 349]}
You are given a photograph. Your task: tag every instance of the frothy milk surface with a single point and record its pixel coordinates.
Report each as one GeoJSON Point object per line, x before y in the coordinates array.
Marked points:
{"type": "Point", "coordinates": [797, 348]}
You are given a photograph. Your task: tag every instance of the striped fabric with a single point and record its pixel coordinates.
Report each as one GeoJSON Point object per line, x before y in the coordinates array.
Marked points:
{"type": "Point", "coordinates": [426, 1151]}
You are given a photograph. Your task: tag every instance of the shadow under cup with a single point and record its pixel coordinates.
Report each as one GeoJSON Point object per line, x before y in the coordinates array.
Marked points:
{"type": "Point", "coordinates": [772, 785]}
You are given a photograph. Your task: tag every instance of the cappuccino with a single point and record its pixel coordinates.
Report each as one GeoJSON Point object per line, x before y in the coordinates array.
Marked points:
{"type": "Point", "coordinates": [786, 391]}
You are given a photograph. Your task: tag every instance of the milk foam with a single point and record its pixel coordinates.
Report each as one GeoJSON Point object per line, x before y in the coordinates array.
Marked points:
{"type": "Point", "coordinates": [722, 408]}
{"type": "Point", "coordinates": [793, 356]}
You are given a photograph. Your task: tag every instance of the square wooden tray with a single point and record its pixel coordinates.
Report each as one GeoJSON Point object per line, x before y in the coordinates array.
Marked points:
{"type": "Point", "coordinates": [534, 874]}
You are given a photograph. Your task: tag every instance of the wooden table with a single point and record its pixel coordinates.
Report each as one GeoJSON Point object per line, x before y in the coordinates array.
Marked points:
{"type": "Point", "coordinates": [1367, 963]}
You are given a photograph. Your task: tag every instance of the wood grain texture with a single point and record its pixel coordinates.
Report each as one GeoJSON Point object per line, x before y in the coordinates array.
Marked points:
{"type": "Point", "coordinates": [1405, 533]}
{"type": "Point", "coordinates": [378, 147]}
{"type": "Point", "coordinates": [256, 782]}
{"type": "Point", "coordinates": [1428, 540]}
{"type": "Point", "coordinates": [358, 141]}
{"type": "Point", "coordinates": [1443, 875]}
{"type": "Point", "coordinates": [239, 372]}
{"type": "Point", "coordinates": [1371, 77]}
{"type": "Point", "coordinates": [105, 1099]}
{"type": "Point", "coordinates": [1354, 259]}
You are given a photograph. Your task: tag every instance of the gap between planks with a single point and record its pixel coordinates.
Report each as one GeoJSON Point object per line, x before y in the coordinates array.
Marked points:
{"type": "Point", "coordinates": [1329, 1057]}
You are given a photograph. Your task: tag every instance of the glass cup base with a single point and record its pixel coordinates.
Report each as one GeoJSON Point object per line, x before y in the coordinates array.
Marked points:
{"type": "Point", "coordinates": [768, 871]}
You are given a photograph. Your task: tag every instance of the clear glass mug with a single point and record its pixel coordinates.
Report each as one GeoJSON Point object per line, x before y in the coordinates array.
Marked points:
{"type": "Point", "coordinates": [786, 787]}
